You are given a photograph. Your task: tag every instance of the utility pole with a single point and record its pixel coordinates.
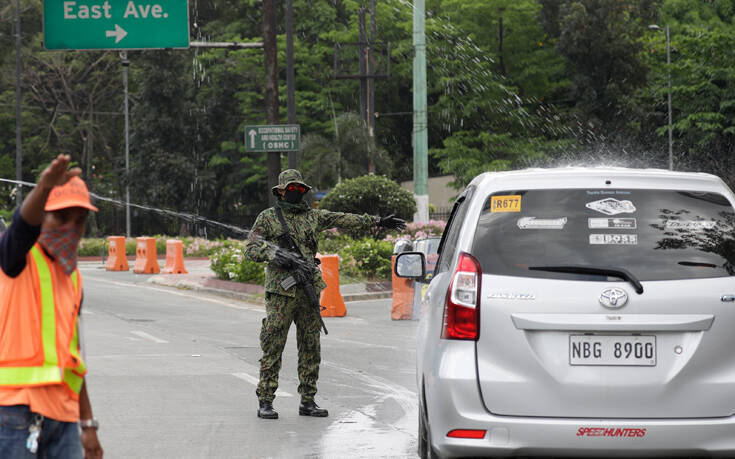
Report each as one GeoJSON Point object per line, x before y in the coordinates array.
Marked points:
{"type": "Point", "coordinates": [668, 74]}
{"type": "Point", "coordinates": [368, 73]}
{"type": "Point", "coordinates": [291, 96]}
{"type": "Point", "coordinates": [370, 115]}
{"type": "Point", "coordinates": [420, 123]}
{"type": "Point", "coordinates": [367, 81]}
{"type": "Point", "coordinates": [125, 64]}
{"type": "Point", "coordinates": [271, 88]}
{"type": "Point", "coordinates": [18, 111]}
{"type": "Point", "coordinates": [668, 69]}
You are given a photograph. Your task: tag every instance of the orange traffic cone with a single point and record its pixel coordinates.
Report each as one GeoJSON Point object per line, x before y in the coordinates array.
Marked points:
{"type": "Point", "coordinates": [174, 257]}
{"type": "Point", "coordinates": [403, 290]}
{"type": "Point", "coordinates": [116, 259]}
{"type": "Point", "coordinates": [145, 256]}
{"type": "Point", "coordinates": [331, 299]}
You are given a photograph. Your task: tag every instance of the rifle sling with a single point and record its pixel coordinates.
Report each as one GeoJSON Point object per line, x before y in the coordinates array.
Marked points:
{"type": "Point", "coordinates": [287, 233]}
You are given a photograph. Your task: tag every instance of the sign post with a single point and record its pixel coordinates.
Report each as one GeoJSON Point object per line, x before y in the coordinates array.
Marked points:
{"type": "Point", "coordinates": [115, 24]}
{"type": "Point", "coordinates": [274, 137]}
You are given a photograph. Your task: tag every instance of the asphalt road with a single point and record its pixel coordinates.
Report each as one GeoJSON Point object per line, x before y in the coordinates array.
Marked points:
{"type": "Point", "coordinates": [172, 374]}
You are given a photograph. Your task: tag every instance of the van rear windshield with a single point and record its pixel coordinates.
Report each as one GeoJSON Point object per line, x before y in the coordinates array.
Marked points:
{"type": "Point", "coordinates": [654, 234]}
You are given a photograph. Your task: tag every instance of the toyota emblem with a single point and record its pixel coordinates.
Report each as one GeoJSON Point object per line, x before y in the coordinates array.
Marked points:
{"type": "Point", "coordinates": [613, 298]}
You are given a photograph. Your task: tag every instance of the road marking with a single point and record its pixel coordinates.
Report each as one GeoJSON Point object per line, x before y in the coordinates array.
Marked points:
{"type": "Point", "coordinates": [173, 292]}
{"type": "Point", "coordinates": [358, 343]}
{"type": "Point", "coordinates": [254, 381]}
{"type": "Point", "coordinates": [145, 335]}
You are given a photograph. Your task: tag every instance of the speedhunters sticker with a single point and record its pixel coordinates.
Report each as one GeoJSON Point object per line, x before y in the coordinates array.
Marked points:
{"type": "Point", "coordinates": [611, 223]}
{"type": "Point", "coordinates": [542, 223]}
{"type": "Point", "coordinates": [614, 432]}
{"type": "Point", "coordinates": [611, 206]}
{"type": "Point", "coordinates": [613, 239]}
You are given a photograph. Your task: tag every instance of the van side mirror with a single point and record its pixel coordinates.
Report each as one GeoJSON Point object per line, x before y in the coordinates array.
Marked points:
{"type": "Point", "coordinates": [411, 265]}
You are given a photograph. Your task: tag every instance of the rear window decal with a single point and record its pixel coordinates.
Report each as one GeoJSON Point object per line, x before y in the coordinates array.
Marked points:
{"type": "Point", "coordinates": [613, 239]}
{"type": "Point", "coordinates": [611, 223]}
{"type": "Point", "coordinates": [690, 225]}
{"type": "Point", "coordinates": [612, 206]}
{"type": "Point", "coordinates": [508, 203]}
{"type": "Point", "coordinates": [541, 223]}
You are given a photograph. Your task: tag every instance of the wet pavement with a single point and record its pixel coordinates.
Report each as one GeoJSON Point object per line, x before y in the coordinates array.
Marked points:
{"type": "Point", "coordinates": [173, 372]}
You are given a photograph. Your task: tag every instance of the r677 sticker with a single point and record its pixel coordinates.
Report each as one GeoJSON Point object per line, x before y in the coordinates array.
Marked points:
{"type": "Point", "coordinates": [508, 203]}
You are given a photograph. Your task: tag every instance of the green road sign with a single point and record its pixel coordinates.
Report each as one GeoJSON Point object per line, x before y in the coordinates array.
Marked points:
{"type": "Point", "coordinates": [115, 24]}
{"type": "Point", "coordinates": [274, 137]}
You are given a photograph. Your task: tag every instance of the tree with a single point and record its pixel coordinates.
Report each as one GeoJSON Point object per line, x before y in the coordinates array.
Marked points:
{"type": "Point", "coordinates": [370, 194]}
{"type": "Point", "coordinates": [600, 41]}
{"type": "Point", "coordinates": [329, 161]}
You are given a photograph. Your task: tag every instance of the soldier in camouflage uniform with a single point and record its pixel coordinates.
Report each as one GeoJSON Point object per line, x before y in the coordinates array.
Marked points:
{"type": "Point", "coordinates": [284, 306]}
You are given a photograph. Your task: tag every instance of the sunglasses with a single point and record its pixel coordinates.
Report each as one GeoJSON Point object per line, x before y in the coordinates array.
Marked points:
{"type": "Point", "coordinates": [296, 187]}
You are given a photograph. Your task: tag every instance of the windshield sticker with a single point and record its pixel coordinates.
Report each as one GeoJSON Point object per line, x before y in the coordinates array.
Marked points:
{"type": "Point", "coordinates": [509, 203]}
{"type": "Point", "coordinates": [613, 239]}
{"type": "Point", "coordinates": [511, 296]}
{"type": "Point", "coordinates": [611, 223]}
{"type": "Point", "coordinates": [690, 225]}
{"type": "Point", "coordinates": [606, 192]}
{"type": "Point", "coordinates": [611, 206]}
{"type": "Point", "coordinates": [541, 223]}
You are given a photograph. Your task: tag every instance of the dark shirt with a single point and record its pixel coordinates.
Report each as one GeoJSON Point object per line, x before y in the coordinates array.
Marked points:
{"type": "Point", "coordinates": [15, 243]}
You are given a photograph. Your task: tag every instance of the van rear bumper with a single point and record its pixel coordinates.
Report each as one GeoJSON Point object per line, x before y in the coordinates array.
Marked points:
{"type": "Point", "coordinates": [453, 401]}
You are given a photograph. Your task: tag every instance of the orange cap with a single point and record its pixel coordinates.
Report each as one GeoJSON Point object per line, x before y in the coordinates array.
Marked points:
{"type": "Point", "coordinates": [73, 193]}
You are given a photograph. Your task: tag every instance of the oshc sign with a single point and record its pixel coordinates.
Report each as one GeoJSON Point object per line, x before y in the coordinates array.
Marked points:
{"type": "Point", "coordinates": [115, 24]}
{"type": "Point", "coordinates": [276, 137]}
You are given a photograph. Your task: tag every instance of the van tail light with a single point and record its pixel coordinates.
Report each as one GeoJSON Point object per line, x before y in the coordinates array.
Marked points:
{"type": "Point", "coordinates": [462, 309]}
{"type": "Point", "coordinates": [467, 433]}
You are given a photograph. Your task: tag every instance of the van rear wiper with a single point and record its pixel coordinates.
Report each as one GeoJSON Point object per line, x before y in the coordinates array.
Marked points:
{"type": "Point", "coordinates": [697, 264]}
{"type": "Point", "coordinates": [579, 269]}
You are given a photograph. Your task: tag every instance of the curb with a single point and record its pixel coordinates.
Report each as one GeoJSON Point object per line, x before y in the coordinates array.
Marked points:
{"type": "Point", "coordinates": [251, 298]}
{"type": "Point", "coordinates": [194, 286]}
{"type": "Point", "coordinates": [366, 296]}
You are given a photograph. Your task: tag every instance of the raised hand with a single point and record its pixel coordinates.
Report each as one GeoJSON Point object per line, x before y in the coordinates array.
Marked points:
{"type": "Point", "coordinates": [391, 222]}
{"type": "Point", "coordinates": [56, 173]}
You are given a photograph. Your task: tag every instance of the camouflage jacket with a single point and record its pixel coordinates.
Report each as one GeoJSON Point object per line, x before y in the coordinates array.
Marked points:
{"type": "Point", "coordinates": [304, 228]}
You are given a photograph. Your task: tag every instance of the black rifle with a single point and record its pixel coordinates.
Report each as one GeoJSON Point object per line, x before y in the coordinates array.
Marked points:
{"type": "Point", "coordinates": [304, 271]}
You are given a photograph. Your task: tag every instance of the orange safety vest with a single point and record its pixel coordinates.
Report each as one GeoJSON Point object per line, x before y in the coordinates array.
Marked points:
{"type": "Point", "coordinates": [31, 349]}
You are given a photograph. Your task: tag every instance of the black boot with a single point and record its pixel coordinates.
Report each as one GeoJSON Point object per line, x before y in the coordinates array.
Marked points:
{"type": "Point", "coordinates": [266, 410]}
{"type": "Point", "coordinates": [310, 408]}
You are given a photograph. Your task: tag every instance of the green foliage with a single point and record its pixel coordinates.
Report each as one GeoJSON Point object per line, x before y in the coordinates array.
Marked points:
{"type": "Point", "coordinates": [331, 242]}
{"type": "Point", "coordinates": [229, 264]}
{"type": "Point", "coordinates": [366, 258]}
{"type": "Point", "coordinates": [192, 246]}
{"type": "Point", "coordinates": [370, 194]}
{"type": "Point", "coordinates": [93, 247]}
{"type": "Point", "coordinates": [511, 83]}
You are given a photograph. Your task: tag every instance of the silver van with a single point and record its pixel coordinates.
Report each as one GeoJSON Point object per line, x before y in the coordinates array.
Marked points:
{"type": "Point", "coordinates": [584, 312]}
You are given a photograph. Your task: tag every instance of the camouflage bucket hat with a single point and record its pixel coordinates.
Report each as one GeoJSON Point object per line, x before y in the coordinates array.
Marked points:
{"type": "Point", "coordinates": [289, 176]}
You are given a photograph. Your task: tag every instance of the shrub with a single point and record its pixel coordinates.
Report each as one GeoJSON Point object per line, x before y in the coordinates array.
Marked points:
{"type": "Point", "coordinates": [229, 264]}
{"type": "Point", "coordinates": [370, 194]}
{"type": "Point", "coordinates": [92, 247]}
{"type": "Point", "coordinates": [366, 258]}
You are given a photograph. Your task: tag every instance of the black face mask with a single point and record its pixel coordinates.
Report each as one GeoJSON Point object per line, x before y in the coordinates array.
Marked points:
{"type": "Point", "coordinates": [293, 197]}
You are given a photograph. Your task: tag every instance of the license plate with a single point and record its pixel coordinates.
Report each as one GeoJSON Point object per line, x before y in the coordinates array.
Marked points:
{"type": "Point", "coordinates": [636, 350]}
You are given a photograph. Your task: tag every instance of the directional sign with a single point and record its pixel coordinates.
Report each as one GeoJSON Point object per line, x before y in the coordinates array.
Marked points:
{"type": "Point", "coordinates": [275, 137]}
{"type": "Point", "coordinates": [115, 24]}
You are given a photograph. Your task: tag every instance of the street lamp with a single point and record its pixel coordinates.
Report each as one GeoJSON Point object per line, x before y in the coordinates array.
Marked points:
{"type": "Point", "coordinates": [668, 68]}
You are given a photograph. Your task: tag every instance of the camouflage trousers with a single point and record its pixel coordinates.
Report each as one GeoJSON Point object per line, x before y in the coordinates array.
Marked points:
{"type": "Point", "coordinates": [280, 312]}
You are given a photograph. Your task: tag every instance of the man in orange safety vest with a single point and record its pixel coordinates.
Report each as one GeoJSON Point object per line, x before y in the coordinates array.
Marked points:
{"type": "Point", "coordinates": [43, 397]}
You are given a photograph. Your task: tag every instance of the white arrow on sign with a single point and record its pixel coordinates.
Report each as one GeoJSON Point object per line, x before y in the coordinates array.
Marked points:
{"type": "Point", "coordinates": [251, 134]}
{"type": "Point", "coordinates": [119, 33]}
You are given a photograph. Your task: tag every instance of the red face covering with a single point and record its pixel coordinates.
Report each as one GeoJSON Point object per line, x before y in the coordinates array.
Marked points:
{"type": "Point", "coordinates": [61, 243]}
